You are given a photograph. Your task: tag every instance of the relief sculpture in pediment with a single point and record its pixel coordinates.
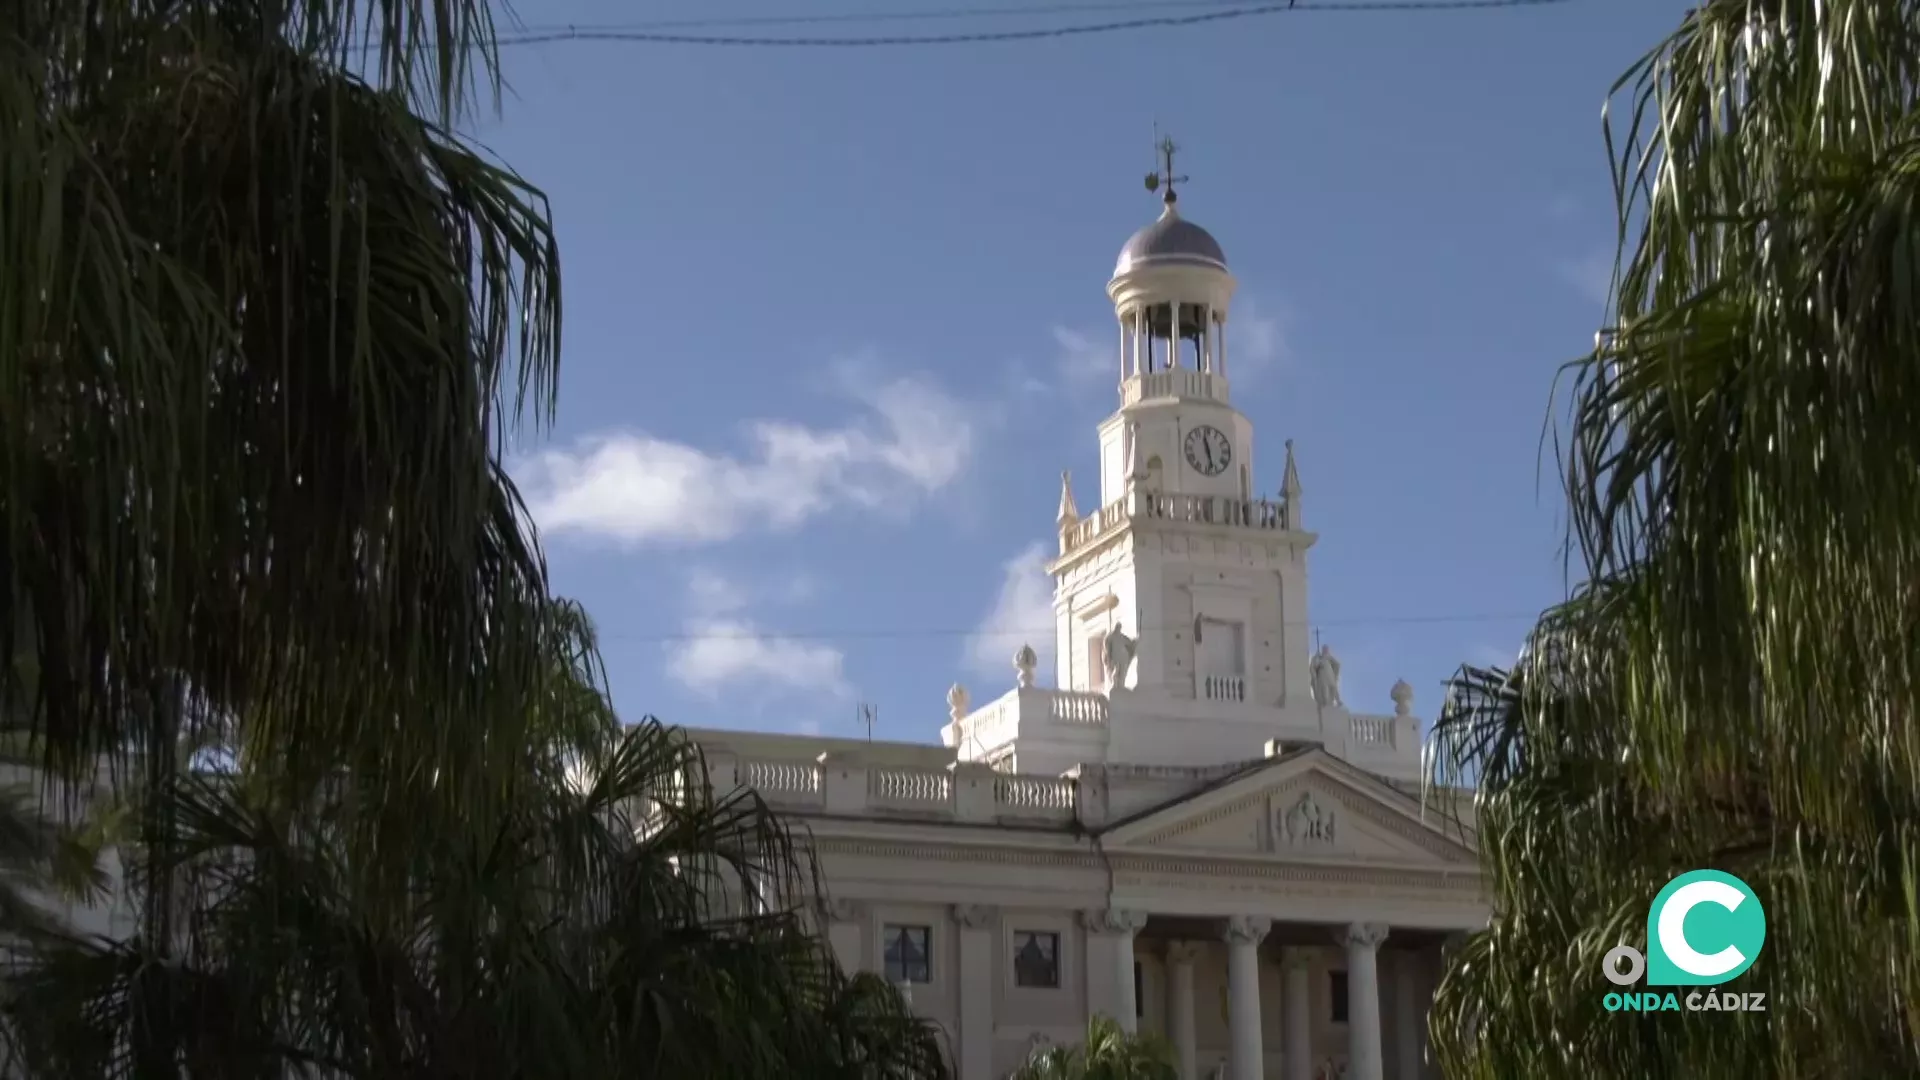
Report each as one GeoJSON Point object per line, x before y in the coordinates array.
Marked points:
{"type": "Point", "coordinates": [1306, 823]}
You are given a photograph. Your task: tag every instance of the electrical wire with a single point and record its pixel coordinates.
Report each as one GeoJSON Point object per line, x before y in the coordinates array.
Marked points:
{"type": "Point", "coordinates": [639, 34]}
{"type": "Point", "coordinates": [1034, 632]}
{"type": "Point", "coordinates": [935, 15]}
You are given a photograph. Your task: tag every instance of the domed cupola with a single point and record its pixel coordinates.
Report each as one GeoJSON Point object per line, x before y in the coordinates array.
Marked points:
{"type": "Point", "coordinates": [1170, 241]}
{"type": "Point", "coordinates": [1170, 290]}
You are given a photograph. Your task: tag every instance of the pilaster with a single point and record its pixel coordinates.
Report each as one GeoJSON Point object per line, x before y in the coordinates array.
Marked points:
{"type": "Point", "coordinates": [975, 923]}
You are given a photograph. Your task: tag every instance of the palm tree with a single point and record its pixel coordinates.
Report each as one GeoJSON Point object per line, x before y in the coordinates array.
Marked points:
{"type": "Point", "coordinates": [1733, 684]}
{"type": "Point", "coordinates": [597, 927]}
{"type": "Point", "coordinates": [266, 322]}
{"type": "Point", "coordinates": [1109, 1053]}
{"type": "Point", "coordinates": [263, 325]}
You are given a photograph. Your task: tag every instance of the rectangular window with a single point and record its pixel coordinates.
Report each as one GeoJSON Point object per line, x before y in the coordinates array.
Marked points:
{"type": "Point", "coordinates": [1337, 995]}
{"type": "Point", "coordinates": [1097, 662]}
{"type": "Point", "coordinates": [1222, 649]}
{"type": "Point", "coordinates": [1139, 998]}
{"type": "Point", "coordinates": [1036, 959]}
{"type": "Point", "coordinates": [908, 952]}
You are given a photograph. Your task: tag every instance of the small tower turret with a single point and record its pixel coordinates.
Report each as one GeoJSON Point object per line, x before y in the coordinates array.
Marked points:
{"type": "Point", "coordinates": [1170, 291]}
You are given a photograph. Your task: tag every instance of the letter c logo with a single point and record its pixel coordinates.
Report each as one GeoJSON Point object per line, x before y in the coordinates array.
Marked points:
{"type": "Point", "coordinates": [1729, 916]}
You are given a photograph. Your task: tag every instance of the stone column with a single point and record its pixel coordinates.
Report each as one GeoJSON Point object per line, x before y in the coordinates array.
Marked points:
{"type": "Point", "coordinates": [1111, 931]}
{"type": "Point", "coordinates": [976, 952]}
{"type": "Point", "coordinates": [1363, 1000]}
{"type": "Point", "coordinates": [1181, 957]}
{"type": "Point", "coordinates": [1296, 1004]}
{"type": "Point", "coordinates": [1244, 934]}
{"type": "Point", "coordinates": [1410, 1014]}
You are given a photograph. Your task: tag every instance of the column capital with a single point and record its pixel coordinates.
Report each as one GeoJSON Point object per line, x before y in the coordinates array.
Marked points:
{"type": "Point", "coordinates": [1362, 935]}
{"type": "Point", "coordinates": [1296, 958]}
{"type": "Point", "coordinates": [974, 916]}
{"type": "Point", "coordinates": [839, 909]}
{"type": "Point", "coordinates": [1113, 920]}
{"type": "Point", "coordinates": [1247, 929]}
{"type": "Point", "coordinates": [1185, 952]}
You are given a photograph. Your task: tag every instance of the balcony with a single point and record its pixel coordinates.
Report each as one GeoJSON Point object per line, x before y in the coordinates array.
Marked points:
{"type": "Point", "coordinates": [1231, 688]}
{"type": "Point", "coordinates": [1256, 515]}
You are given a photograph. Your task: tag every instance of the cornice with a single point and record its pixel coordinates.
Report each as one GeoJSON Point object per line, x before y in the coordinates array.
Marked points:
{"type": "Point", "coordinates": [1464, 880]}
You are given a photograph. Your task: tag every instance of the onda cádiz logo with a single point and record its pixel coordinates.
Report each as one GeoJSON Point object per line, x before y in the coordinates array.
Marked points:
{"type": "Point", "coordinates": [1703, 929]}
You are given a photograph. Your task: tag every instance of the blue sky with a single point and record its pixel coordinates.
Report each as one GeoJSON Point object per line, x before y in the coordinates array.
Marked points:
{"type": "Point", "coordinates": [835, 322]}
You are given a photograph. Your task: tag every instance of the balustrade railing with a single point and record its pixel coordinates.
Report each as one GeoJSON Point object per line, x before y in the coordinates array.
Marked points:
{"type": "Point", "coordinates": [1033, 793]}
{"type": "Point", "coordinates": [1373, 730]}
{"type": "Point", "coordinates": [1077, 707]}
{"type": "Point", "coordinates": [1263, 514]}
{"type": "Point", "coordinates": [1174, 382]}
{"type": "Point", "coordinates": [918, 790]}
{"type": "Point", "coordinates": [781, 777]}
{"type": "Point", "coordinates": [910, 786]}
{"type": "Point", "coordinates": [1223, 688]}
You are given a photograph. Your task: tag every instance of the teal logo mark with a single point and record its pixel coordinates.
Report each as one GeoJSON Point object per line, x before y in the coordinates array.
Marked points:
{"type": "Point", "coordinates": [1704, 928]}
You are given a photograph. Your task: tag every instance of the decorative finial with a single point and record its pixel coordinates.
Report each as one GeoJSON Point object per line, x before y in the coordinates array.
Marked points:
{"type": "Point", "coordinates": [1290, 489]}
{"type": "Point", "coordinates": [1069, 513]}
{"type": "Point", "coordinates": [1402, 698]}
{"type": "Point", "coordinates": [1163, 177]}
{"type": "Point", "coordinates": [1024, 662]}
{"type": "Point", "coordinates": [957, 702]}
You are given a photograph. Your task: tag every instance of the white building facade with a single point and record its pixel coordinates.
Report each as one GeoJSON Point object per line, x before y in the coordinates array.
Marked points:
{"type": "Point", "coordinates": [1190, 831]}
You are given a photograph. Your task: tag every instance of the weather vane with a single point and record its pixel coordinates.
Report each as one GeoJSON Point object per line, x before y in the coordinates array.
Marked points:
{"type": "Point", "coordinates": [1164, 175]}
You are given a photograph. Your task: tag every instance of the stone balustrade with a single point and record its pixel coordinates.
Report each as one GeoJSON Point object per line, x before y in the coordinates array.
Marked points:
{"type": "Point", "coordinates": [842, 784]}
{"type": "Point", "coordinates": [1173, 382]}
{"type": "Point", "coordinates": [1372, 730]}
{"type": "Point", "coordinates": [1261, 515]}
{"type": "Point", "coordinates": [1027, 711]}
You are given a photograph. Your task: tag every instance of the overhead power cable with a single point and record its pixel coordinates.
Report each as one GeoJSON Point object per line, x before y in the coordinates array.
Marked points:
{"type": "Point", "coordinates": [663, 33]}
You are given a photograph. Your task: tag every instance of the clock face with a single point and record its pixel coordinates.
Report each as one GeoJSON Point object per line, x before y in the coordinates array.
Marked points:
{"type": "Point", "coordinates": [1208, 451]}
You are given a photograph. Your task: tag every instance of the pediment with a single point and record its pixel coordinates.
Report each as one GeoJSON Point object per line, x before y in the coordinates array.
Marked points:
{"type": "Point", "coordinates": [1306, 806]}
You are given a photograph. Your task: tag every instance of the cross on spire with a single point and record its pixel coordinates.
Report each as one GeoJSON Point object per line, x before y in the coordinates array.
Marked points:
{"type": "Point", "coordinates": [1164, 177]}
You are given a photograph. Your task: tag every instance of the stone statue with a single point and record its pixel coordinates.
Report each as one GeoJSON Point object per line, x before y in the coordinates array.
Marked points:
{"type": "Point", "coordinates": [1307, 823]}
{"type": "Point", "coordinates": [1117, 649]}
{"type": "Point", "coordinates": [1324, 670]}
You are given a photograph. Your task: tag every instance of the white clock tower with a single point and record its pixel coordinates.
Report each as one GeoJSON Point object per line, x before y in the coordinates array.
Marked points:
{"type": "Point", "coordinates": [1204, 580]}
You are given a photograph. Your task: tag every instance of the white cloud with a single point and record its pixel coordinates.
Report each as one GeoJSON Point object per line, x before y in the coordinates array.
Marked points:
{"type": "Point", "coordinates": [724, 652]}
{"type": "Point", "coordinates": [1083, 360]}
{"type": "Point", "coordinates": [733, 655]}
{"type": "Point", "coordinates": [1256, 341]}
{"type": "Point", "coordinates": [1022, 614]}
{"type": "Point", "coordinates": [636, 489]}
{"type": "Point", "coordinates": [711, 594]}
